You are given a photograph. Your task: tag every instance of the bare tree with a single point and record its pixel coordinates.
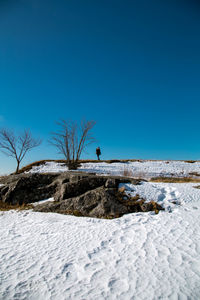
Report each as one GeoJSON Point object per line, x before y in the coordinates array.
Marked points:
{"type": "Point", "coordinates": [17, 146]}
{"type": "Point", "coordinates": [71, 140]}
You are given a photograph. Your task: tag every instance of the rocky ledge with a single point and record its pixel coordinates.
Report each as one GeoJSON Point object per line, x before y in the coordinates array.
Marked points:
{"type": "Point", "coordinates": [80, 194]}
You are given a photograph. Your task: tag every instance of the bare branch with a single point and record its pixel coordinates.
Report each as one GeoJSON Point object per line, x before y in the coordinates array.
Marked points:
{"type": "Point", "coordinates": [71, 140]}
{"type": "Point", "coordinates": [17, 147]}
{"type": "Point", "coordinates": [26, 143]}
{"type": "Point", "coordinates": [85, 139]}
{"type": "Point", "coordinates": [8, 143]}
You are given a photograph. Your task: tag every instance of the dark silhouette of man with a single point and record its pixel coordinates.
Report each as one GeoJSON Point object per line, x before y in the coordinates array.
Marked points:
{"type": "Point", "coordinates": [98, 152]}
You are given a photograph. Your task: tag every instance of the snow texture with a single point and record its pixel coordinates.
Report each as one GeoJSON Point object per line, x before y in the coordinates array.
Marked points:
{"type": "Point", "coordinates": [138, 256]}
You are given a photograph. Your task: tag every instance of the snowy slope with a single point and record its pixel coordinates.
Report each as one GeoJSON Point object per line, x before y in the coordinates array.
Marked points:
{"type": "Point", "coordinates": [138, 256]}
{"type": "Point", "coordinates": [145, 169]}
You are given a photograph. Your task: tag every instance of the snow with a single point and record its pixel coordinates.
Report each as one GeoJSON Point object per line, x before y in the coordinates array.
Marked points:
{"type": "Point", "coordinates": [140, 256]}
{"type": "Point", "coordinates": [165, 194]}
{"type": "Point", "coordinates": [42, 201]}
{"type": "Point", "coordinates": [143, 169]}
{"type": "Point", "coordinates": [49, 167]}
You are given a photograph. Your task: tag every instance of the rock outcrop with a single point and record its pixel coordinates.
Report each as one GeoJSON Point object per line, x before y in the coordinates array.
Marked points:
{"type": "Point", "coordinates": [27, 188]}
{"type": "Point", "coordinates": [80, 194]}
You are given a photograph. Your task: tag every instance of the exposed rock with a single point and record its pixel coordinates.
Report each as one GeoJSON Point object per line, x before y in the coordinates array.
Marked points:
{"type": "Point", "coordinates": [76, 188]}
{"type": "Point", "coordinates": [111, 183]}
{"type": "Point", "coordinates": [75, 193]}
{"type": "Point", "coordinates": [196, 187]}
{"type": "Point", "coordinates": [26, 188]}
{"type": "Point", "coordinates": [100, 203]}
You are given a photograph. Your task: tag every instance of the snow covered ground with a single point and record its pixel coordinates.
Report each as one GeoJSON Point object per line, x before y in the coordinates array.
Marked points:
{"type": "Point", "coordinates": [144, 169]}
{"type": "Point", "coordinates": [139, 256]}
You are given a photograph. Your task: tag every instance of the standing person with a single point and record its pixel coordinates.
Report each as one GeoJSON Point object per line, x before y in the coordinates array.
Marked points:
{"type": "Point", "coordinates": [98, 152]}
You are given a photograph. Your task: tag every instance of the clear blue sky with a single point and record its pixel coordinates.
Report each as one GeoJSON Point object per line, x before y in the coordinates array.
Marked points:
{"type": "Point", "coordinates": [132, 66]}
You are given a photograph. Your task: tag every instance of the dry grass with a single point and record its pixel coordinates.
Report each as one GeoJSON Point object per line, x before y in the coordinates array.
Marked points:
{"type": "Point", "coordinates": [2, 178]}
{"type": "Point", "coordinates": [156, 207]}
{"type": "Point", "coordinates": [136, 198]}
{"type": "Point", "coordinates": [174, 179]}
{"type": "Point", "coordinates": [75, 213]}
{"type": "Point", "coordinates": [137, 203]}
{"type": "Point", "coordinates": [6, 206]}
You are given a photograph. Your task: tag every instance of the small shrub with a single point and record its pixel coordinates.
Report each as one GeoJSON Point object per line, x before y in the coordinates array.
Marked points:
{"type": "Point", "coordinates": [73, 165]}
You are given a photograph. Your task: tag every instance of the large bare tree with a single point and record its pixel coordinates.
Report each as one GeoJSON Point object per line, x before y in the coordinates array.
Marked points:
{"type": "Point", "coordinates": [71, 140]}
{"type": "Point", "coordinates": [17, 146]}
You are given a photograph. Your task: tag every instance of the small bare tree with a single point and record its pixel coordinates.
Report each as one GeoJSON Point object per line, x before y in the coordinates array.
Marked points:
{"type": "Point", "coordinates": [71, 140]}
{"type": "Point", "coordinates": [17, 146]}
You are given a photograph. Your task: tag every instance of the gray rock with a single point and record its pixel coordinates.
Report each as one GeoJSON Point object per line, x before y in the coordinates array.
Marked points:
{"type": "Point", "coordinates": [75, 193]}
{"type": "Point", "coordinates": [76, 188]}
{"type": "Point", "coordinates": [111, 183]}
{"type": "Point", "coordinates": [100, 203]}
{"type": "Point", "coordinates": [26, 188]}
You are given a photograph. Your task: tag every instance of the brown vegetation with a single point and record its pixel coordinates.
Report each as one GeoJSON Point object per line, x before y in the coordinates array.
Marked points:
{"type": "Point", "coordinates": [6, 206]}
{"type": "Point", "coordinates": [137, 203]}
{"type": "Point", "coordinates": [174, 179]}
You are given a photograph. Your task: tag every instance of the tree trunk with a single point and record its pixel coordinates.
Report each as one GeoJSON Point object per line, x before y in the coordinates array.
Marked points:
{"type": "Point", "coordinates": [17, 170]}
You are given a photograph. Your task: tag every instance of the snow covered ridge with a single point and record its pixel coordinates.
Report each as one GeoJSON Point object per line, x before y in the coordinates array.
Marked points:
{"type": "Point", "coordinates": [144, 169]}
